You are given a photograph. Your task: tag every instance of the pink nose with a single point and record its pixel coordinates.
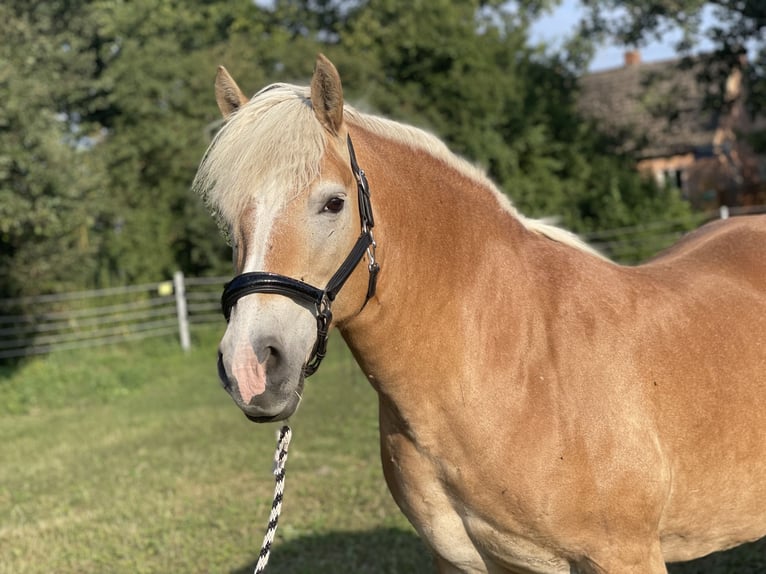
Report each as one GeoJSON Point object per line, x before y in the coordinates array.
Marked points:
{"type": "Point", "coordinates": [248, 372]}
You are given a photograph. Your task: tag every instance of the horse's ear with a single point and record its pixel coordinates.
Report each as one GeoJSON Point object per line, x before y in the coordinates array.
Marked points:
{"type": "Point", "coordinates": [327, 95]}
{"type": "Point", "coordinates": [227, 93]}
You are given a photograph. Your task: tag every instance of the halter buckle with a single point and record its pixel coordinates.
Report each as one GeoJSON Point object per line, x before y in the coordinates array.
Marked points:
{"type": "Point", "coordinates": [324, 318]}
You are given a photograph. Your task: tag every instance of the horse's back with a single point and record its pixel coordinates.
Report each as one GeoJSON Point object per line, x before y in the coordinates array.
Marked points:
{"type": "Point", "coordinates": [733, 247]}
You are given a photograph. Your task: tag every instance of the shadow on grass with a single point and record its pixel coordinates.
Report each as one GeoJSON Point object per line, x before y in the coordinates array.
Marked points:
{"type": "Point", "coordinates": [380, 551]}
{"type": "Point", "coordinates": [393, 551]}
{"type": "Point", "coordinates": [745, 559]}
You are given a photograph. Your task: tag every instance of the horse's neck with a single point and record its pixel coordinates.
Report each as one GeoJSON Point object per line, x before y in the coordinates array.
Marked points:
{"type": "Point", "coordinates": [445, 244]}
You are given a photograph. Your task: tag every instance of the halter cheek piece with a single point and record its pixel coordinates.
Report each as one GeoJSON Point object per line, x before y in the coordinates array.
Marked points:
{"type": "Point", "coordinates": [300, 292]}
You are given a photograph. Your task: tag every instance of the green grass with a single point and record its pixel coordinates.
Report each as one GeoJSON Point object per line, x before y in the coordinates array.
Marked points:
{"type": "Point", "coordinates": [133, 459]}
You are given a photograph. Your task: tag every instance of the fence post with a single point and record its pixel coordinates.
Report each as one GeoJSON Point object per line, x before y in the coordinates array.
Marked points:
{"type": "Point", "coordinates": [183, 316]}
{"type": "Point", "coordinates": [723, 212]}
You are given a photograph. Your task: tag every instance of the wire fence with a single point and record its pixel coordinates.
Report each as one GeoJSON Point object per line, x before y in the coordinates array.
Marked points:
{"type": "Point", "coordinates": [64, 321]}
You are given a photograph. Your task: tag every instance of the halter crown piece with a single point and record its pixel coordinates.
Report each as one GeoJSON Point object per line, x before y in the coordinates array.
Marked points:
{"type": "Point", "coordinates": [300, 292]}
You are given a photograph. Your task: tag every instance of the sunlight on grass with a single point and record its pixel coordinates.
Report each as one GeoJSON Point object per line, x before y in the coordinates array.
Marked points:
{"type": "Point", "coordinates": [133, 459]}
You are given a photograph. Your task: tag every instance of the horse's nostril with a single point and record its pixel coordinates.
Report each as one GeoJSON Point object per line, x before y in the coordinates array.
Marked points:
{"type": "Point", "coordinates": [273, 358]}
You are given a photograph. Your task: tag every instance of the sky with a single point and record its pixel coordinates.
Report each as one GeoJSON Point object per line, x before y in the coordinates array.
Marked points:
{"type": "Point", "coordinates": [554, 27]}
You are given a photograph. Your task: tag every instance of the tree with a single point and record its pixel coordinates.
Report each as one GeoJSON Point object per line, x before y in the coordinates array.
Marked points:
{"type": "Point", "coordinates": [146, 59]}
{"type": "Point", "coordinates": [49, 184]}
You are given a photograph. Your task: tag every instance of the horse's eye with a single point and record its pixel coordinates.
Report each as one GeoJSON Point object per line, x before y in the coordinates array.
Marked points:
{"type": "Point", "coordinates": [335, 205]}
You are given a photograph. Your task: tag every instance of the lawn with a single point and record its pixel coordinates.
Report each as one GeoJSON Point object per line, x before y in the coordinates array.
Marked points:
{"type": "Point", "coordinates": [133, 459]}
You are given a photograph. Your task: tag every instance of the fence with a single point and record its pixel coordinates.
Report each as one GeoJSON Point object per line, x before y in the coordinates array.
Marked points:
{"type": "Point", "coordinates": [65, 321]}
{"type": "Point", "coordinates": [37, 325]}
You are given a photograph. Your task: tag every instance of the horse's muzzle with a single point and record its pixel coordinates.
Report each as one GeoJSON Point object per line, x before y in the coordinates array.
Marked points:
{"type": "Point", "coordinates": [273, 394]}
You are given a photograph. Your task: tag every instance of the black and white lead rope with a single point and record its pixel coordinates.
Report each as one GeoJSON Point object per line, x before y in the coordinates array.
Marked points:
{"type": "Point", "coordinates": [280, 458]}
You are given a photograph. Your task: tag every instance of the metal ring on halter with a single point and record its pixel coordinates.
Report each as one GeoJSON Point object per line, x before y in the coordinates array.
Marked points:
{"type": "Point", "coordinates": [371, 252]}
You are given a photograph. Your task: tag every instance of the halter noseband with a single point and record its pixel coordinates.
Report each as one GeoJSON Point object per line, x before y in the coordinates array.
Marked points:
{"type": "Point", "coordinates": [300, 292]}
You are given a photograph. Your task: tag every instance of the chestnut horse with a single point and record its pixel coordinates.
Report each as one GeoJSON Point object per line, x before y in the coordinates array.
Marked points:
{"type": "Point", "coordinates": [542, 409]}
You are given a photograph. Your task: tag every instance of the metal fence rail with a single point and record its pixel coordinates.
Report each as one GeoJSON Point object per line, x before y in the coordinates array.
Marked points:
{"type": "Point", "coordinates": [203, 299]}
{"type": "Point", "coordinates": [65, 321]}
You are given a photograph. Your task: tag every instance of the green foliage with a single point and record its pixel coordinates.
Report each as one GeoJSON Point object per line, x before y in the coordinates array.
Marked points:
{"type": "Point", "coordinates": [124, 93]}
{"type": "Point", "coordinates": [152, 115]}
{"type": "Point", "coordinates": [108, 108]}
{"type": "Point", "coordinates": [48, 185]}
{"type": "Point", "coordinates": [154, 469]}
{"type": "Point", "coordinates": [627, 216]}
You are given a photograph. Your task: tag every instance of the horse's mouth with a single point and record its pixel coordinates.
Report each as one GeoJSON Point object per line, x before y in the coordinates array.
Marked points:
{"type": "Point", "coordinates": [285, 413]}
{"type": "Point", "coordinates": [264, 419]}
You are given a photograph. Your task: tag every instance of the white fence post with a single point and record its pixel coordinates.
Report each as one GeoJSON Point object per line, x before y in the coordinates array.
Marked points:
{"type": "Point", "coordinates": [183, 316]}
{"type": "Point", "coordinates": [723, 212]}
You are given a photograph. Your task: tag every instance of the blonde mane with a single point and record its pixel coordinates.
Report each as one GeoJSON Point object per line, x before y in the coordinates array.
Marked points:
{"type": "Point", "coordinates": [420, 139]}
{"type": "Point", "coordinates": [257, 146]}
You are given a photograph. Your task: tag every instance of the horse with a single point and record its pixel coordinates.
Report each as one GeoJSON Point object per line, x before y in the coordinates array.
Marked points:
{"type": "Point", "coordinates": [541, 408]}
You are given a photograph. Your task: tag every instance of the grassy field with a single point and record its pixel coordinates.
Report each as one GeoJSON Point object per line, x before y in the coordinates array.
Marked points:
{"type": "Point", "coordinates": [133, 459]}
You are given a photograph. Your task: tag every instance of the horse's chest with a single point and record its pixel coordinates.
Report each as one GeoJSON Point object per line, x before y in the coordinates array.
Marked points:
{"type": "Point", "coordinates": [432, 494]}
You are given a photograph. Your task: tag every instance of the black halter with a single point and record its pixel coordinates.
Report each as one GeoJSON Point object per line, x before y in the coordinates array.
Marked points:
{"type": "Point", "coordinates": [321, 299]}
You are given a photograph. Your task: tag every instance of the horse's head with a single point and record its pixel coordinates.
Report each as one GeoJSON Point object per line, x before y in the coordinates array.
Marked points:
{"type": "Point", "coordinates": [278, 174]}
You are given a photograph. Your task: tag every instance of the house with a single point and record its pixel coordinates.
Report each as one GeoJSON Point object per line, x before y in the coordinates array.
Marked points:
{"type": "Point", "coordinates": [658, 112]}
